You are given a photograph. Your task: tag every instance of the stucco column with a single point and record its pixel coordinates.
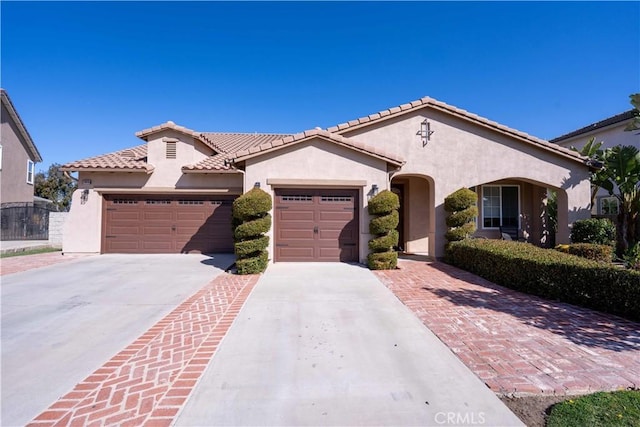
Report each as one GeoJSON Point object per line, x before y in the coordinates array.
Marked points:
{"type": "Point", "coordinates": [572, 206]}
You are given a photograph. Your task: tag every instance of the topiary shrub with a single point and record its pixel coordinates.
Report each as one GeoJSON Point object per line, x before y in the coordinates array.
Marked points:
{"type": "Point", "coordinates": [385, 206]}
{"type": "Point", "coordinates": [251, 220]}
{"type": "Point", "coordinates": [600, 231]}
{"type": "Point", "coordinates": [462, 211]}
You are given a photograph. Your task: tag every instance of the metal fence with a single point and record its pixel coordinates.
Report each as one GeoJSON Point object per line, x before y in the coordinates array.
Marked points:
{"type": "Point", "coordinates": [24, 223]}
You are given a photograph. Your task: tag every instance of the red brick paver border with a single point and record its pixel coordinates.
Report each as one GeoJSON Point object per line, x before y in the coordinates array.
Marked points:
{"type": "Point", "coordinates": [20, 263]}
{"type": "Point", "coordinates": [148, 382]}
{"type": "Point", "coordinates": [517, 343]}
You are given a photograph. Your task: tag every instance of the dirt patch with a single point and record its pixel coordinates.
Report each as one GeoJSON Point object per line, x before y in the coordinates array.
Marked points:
{"type": "Point", "coordinates": [533, 410]}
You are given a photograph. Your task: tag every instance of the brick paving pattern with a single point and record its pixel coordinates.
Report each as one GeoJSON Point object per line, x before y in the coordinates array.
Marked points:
{"type": "Point", "coordinates": [519, 344]}
{"type": "Point", "coordinates": [148, 382]}
{"type": "Point", "coordinates": [19, 263]}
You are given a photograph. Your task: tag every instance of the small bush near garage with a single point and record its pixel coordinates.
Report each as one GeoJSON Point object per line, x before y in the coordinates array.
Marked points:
{"type": "Point", "coordinates": [385, 206]}
{"type": "Point", "coordinates": [550, 274]}
{"type": "Point", "coordinates": [599, 231]}
{"type": "Point", "coordinates": [600, 253]}
{"type": "Point", "coordinates": [462, 211]}
{"type": "Point", "coordinates": [251, 220]}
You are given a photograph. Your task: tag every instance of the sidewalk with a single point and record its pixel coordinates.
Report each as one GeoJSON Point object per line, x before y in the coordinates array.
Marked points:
{"type": "Point", "coordinates": [9, 246]}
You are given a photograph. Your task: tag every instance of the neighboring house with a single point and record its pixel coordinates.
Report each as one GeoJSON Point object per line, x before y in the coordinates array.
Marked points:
{"type": "Point", "coordinates": [173, 193]}
{"type": "Point", "coordinates": [18, 156]}
{"type": "Point", "coordinates": [611, 132]}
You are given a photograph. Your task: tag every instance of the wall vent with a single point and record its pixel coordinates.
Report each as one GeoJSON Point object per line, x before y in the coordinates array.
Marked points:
{"type": "Point", "coordinates": [171, 150]}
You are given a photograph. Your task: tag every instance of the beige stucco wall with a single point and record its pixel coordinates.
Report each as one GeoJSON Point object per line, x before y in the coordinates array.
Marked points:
{"type": "Point", "coordinates": [83, 228]}
{"type": "Point", "coordinates": [327, 163]}
{"type": "Point", "coordinates": [462, 154]}
{"type": "Point", "coordinates": [13, 174]}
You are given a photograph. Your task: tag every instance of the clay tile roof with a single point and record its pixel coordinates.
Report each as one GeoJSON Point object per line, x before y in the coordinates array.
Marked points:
{"type": "Point", "coordinates": [463, 114]}
{"type": "Point", "coordinates": [216, 162]}
{"type": "Point", "coordinates": [337, 139]}
{"type": "Point", "coordinates": [131, 159]}
{"type": "Point", "coordinates": [226, 142]}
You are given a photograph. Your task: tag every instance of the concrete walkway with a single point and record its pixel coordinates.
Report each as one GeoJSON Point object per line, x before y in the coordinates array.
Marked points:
{"type": "Point", "coordinates": [328, 344]}
{"type": "Point", "coordinates": [516, 343]}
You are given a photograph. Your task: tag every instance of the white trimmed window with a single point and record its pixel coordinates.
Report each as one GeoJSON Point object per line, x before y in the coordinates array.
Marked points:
{"type": "Point", "coordinates": [30, 171]}
{"type": "Point", "coordinates": [609, 206]}
{"type": "Point", "coordinates": [500, 206]}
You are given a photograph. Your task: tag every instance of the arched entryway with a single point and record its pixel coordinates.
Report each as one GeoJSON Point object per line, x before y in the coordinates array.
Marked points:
{"type": "Point", "coordinates": [417, 213]}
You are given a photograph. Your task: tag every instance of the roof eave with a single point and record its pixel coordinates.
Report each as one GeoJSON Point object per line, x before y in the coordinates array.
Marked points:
{"type": "Point", "coordinates": [21, 127]}
{"type": "Point", "coordinates": [148, 170]}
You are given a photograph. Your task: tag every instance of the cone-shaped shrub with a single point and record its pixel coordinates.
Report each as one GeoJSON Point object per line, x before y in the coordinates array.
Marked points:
{"type": "Point", "coordinates": [251, 220]}
{"type": "Point", "coordinates": [461, 208]}
{"type": "Point", "coordinates": [385, 206]}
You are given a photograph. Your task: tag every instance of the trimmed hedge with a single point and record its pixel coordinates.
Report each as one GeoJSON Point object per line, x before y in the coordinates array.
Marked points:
{"type": "Point", "coordinates": [599, 231]}
{"type": "Point", "coordinates": [460, 200]}
{"type": "Point", "coordinates": [252, 228]}
{"type": "Point", "coordinates": [250, 221]}
{"type": "Point", "coordinates": [383, 256]}
{"type": "Point", "coordinates": [600, 253]}
{"type": "Point", "coordinates": [247, 247]}
{"type": "Point", "coordinates": [383, 224]}
{"type": "Point", "coordinates": [460, 233]}
{"type": "Point", "coordinates": [550, 274]}
{"type": "Point", "coordinates": [382, 260]}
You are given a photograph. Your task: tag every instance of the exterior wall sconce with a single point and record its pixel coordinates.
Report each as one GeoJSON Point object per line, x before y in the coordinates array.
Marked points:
{"type": "Point", "coordinates": [373, 192]}
{"type": "Point", "coordinates": [425, 132]}
{"type": "Point", "coordinates": [84, 196]}
{"type": "Point", "coordinates": [257, 184]}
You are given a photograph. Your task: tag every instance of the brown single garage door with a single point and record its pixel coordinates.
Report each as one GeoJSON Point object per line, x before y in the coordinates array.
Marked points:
{"type": "Point", "coordinates": [167, 224]}
{"type": "Point", "coordinates": [316, 225]}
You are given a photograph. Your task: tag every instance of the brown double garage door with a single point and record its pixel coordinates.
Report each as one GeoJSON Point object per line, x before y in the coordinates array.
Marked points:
{"type": "Point", "coordinates": [167, 224]}
{"type": "Point", "coordinates": [316, 225]}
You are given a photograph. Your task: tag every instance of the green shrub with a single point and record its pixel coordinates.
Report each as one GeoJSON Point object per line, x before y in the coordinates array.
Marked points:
{"type": "Point", "coordinates": [550, 274]}
{"type": "Point", "coordinates": [385, 206]}
{"type": "Point", "coordinates": [249, 248]}
{"type": "Point", "coordinates": [600, 231]}
{"type": "Point", "coordinates": [382, 260]}
{"type": "Point", "coordinates": [385, 242]}
{"type": "Point", "coordinates": [461, 208]}
{"type": "Point", "coordinates": [460, 200]}
{"type": "Point", "coordinates": [460, 218]}
{"type": "Point", "coordinates": [384, 224]}
{"type": "Point", "coordinates": [600, 253]}
{"type": "Point", "coordinates": [253, 204]}
{"type": "Point", "coordinates": [250, 219]}
{"type": "Point", "coordinates": [460, 233]}
{"type": "Point", "coordinates": [386, 201]}
{"type": "Point", "coordinates": [253, 228]}
{"type": "Point", "coordinates": [253, 265]}
{"type": "Point", "coordinates": [632, 257]}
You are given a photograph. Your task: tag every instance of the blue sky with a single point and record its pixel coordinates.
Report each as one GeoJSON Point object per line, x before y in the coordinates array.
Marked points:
{"type": "Point", "coordinates": [85, 76]}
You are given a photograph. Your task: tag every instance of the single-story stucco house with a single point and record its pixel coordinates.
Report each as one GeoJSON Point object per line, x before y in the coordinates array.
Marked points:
{"type": "Point", "coordinates": [173, 193]}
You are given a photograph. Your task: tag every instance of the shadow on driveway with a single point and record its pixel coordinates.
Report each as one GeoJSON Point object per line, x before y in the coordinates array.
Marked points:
{"type": "Point", "coordinates": [579, 325]}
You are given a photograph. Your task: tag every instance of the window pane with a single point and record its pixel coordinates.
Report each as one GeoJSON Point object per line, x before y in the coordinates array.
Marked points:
{"type": "Point", "coordinates": [510, 206]}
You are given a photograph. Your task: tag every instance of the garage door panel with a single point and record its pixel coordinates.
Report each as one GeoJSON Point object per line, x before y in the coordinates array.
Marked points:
{"type": "Point", "coordinates": [293, 234]}
{"type": "Point", "coordinates": [167, 224]}
{"type": "Point", "coordinates": [315, 225]}
{"type": "Point", "coordinates": [157, 216]}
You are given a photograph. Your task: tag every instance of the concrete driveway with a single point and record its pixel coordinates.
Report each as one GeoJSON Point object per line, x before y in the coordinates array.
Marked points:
{"type": "Point", "coordinates": [328, 344]}
{"type": "Point", "coordinates": [60, 323]}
